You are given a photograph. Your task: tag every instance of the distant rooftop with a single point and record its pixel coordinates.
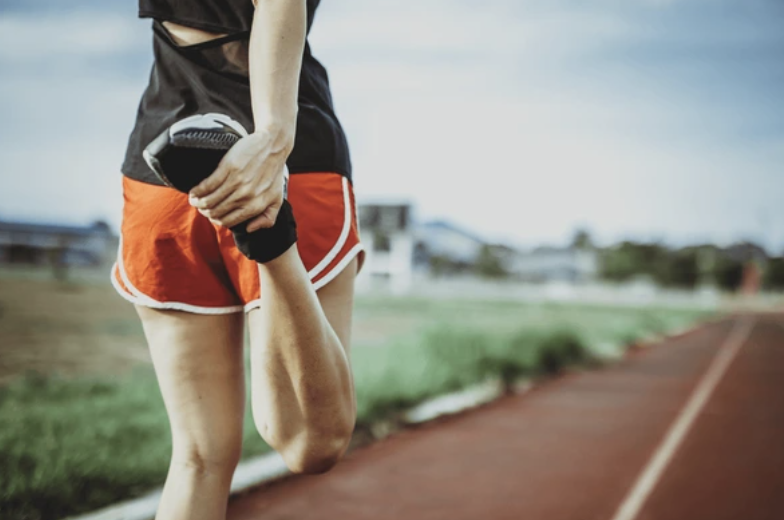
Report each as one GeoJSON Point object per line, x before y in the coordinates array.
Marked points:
{"type": "Point", "coordinates": [383, 200]}
{"type": "Point", "coordinates": [443, 224]}
{"type": "Point", "coordinates": [55, 229]}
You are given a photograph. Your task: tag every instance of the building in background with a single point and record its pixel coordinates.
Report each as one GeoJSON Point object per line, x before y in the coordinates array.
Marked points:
{"type": "Point", "coordinates": [53, 244]}
{"type": "Point", "coordinates": [555, 264]}
{"type": "Point", "coordinates": [401, 250]}
{"type": "Point", "coordinates": [388, 236]}
{"type": "Point", "coordinates": [443, 248]}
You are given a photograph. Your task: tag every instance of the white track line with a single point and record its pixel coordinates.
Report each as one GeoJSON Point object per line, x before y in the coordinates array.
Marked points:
{"type": "Point", "coordinates": [647, 480]}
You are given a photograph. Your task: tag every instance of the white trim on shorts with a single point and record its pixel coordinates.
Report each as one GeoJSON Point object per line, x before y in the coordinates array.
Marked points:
{"type": "Point", "coordinates": [139, 298]}
{"type": "Point", "coordinates": [339, 267]}
{"type": "Point", "coordinates": [313, 273]}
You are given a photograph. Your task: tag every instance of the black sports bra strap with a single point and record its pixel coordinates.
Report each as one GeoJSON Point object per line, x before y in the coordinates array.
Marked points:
{"type": "Point", "coordinates": [214, 42]}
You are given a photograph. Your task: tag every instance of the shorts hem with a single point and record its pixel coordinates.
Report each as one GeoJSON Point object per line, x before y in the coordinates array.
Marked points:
{"type": "Point", "coordinates": [136, 297]}
{"type": "Point", "coordinates": [331, 275]}
{"type": "Point", "coordinates": [344, 232]}
{"type": "Point", "coordinates": [324, 280]}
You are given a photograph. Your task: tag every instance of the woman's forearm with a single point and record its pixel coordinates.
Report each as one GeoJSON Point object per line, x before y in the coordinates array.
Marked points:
{"type": "Point", "coordinates": [277, 41]}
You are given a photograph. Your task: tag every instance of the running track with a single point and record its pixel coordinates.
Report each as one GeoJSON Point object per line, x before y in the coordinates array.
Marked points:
{"type": "Point", "coordinates": [689, 429]}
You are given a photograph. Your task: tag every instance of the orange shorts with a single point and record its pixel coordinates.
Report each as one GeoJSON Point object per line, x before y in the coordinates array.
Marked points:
{"type": "Point", "coordinates": [172, 257]}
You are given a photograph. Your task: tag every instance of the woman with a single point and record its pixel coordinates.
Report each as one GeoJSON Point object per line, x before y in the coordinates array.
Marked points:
{"type": "Point", "coordinates": [179, 265]}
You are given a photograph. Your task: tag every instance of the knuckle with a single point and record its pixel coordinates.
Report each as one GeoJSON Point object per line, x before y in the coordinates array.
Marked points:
{"type": "Point", "coordinates": [237, 204]}
{"type": "Point", "coordinates": [245, 214]}
{"type": "Point", "coordinates": [236, 185]}
{"type": "Point", "coordinates": [263, 222]}
{"type": "Point", "coordinates": [244, 192]}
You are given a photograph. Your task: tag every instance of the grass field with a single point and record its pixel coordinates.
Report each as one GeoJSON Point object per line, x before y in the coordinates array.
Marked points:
{"type": "Point", "coordinates": [83, 424]}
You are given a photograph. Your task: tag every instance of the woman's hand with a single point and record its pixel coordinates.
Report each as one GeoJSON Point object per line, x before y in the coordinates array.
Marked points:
{"type": "Point", "coordinates": [248, 183]}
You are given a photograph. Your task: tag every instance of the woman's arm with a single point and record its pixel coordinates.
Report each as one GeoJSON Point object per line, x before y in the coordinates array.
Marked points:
{"type": "Point", "coordinates": [276, 45]}
{"type": "Point", "coordinates": [248, 183]}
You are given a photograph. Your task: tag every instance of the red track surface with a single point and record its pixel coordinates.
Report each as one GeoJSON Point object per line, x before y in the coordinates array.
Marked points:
{"type": "Point", "coordinates": [575, 447]}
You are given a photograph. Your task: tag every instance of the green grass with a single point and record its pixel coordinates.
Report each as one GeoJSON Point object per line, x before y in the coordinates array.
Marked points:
{"type": "Point", "coordinates": [394, 377]}
{"type": "Point", "coordinates": [80, 438]}
{"type": "Point", "coordinates": [73, 445]}
{"type": "Point", "coordinates": [70, 445]}
{"type": "Point", "coordinates": [463, 345]}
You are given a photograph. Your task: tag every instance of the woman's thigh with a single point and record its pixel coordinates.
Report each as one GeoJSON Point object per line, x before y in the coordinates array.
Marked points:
{"type": "Point", "coordinates": [336, 299]}
{"type": "Point", "coordinates": [198, 360]}
{"type": "Point", "coordinates": [271, 386]}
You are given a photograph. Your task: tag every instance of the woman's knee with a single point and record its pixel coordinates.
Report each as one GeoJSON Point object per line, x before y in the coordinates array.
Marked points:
{"type": "Point", "coordinates": [309, 443]}
{"type": "Point", "coordinates": [312, 453]}
{"type": "Point", "coordinates": [218, 457]}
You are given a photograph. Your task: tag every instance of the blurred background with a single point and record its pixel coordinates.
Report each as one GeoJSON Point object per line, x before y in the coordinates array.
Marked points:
{"type": "Point", "coordinates": [529, 175]}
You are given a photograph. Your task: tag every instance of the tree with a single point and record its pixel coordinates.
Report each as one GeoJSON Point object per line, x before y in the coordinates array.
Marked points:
{"type": "Point", "coordinates": [774, 274]}
{"type": "Point", "coordinates": [728, 273]}
{"type": "Point", "coordinates": [489, 263]}
{"type": "Point", "coordinates": [582, 239]}
{"type": "Point", "coordinates": [629, 259]}
{"type": "Point", "coordinates": [443, 265]}
{"type": "Point", "coordinates": [678, 269]}
{"type": "Point", "coordinates": [102, 226]}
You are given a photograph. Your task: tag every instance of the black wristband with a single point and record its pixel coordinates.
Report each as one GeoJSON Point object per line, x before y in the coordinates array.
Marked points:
{"type": "Point", "coordinates": [267, 244]}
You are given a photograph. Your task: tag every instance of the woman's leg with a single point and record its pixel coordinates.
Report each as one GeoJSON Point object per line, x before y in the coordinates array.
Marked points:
{"type": "Point", "coordinates": [302, 388]}
{"type": "Point", "coordinates": [198, 360]}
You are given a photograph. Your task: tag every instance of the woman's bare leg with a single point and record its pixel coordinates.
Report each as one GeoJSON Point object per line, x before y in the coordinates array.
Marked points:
{"type": "Point", "coordinates": [199, 363]}
{"type": "Point", "coordinates": [302, 388]}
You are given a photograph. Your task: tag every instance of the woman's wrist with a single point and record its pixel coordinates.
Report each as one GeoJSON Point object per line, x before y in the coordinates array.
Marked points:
{"type": "Point", "coordinates": [279, 131]}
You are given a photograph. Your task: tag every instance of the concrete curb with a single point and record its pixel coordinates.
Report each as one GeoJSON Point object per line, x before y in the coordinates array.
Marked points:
{"type": "Point", "coordinates": [455, 402]}
{"type": "Point", "coordinates": [270, 467]}
{"type": "Point", "coordinates": [249, 473]}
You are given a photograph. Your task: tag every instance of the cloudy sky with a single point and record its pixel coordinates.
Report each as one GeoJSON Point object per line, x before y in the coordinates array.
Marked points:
{"type": "Point", "coordinates": [517, 119]}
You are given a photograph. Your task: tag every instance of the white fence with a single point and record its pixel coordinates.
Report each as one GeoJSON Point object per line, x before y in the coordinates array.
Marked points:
{"type": "Point", "coordinates": [632, 294]}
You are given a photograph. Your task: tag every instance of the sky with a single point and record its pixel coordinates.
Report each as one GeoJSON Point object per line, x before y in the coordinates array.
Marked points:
{"type": "Point", "coordinates": [519, 120]}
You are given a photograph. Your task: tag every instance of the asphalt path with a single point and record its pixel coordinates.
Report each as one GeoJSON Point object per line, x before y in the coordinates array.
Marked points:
{"type": "Point", "coordinates": [692, 429]}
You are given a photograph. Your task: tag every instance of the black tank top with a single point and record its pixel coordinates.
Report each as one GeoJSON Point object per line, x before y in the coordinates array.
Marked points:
{"type": "Point", "coordinates": [213, 77]}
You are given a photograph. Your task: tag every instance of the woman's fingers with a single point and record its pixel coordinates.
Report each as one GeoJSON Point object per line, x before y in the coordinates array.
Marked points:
{"type": "Point", "coordinates": [252, 191]}
{"type": "Point", "coordinates": [265, 220]}
{"type": "Point", "coordinates": [239, 186]}
{"type": "Point", "coordinates": [238, 216]}
{"type": "Point", "coordinates": [214, 181]}
{"type": "Point", "coordinates": [236, 159]}
{"type": "Point", "coordinates": [234, 198]}
{"type": "Point", "coordinates": [253, 208]}
{"type": "Point", "coordinates": [213, 200]}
